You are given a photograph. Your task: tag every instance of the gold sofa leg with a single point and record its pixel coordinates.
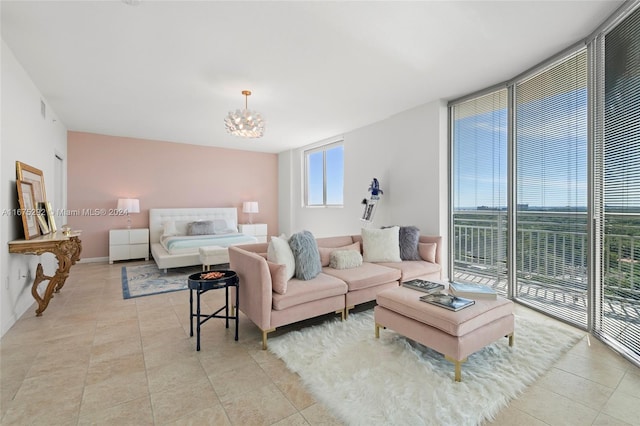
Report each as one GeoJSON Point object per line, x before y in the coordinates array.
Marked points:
{"type": "Point", "coordinates": [346, 311]}
{"type": "Point", "coordinates": [378, 327]}
{"type": "Point", "coordinates": [512, 338]}
{"type": "Point", "coordinates": [342, 313]}
{"type": "Point", "coordinates": [264, 338]}
{"type": "Point", "coordinates": [458, 367]}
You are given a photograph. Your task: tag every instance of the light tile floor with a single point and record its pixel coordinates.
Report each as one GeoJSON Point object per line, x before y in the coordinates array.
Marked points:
{"type": "Point", "coordinates": [94, 358]}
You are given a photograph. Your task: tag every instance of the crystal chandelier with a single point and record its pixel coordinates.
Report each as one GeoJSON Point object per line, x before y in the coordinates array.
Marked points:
{"type": "Point", "coordinates": [245, 123]}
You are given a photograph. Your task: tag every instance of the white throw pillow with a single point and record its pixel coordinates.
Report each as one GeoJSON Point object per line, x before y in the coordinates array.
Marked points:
{"type": "Point", "coordinates": [381, 245]}
{"type": "Point", "coordinates": [280, 252]}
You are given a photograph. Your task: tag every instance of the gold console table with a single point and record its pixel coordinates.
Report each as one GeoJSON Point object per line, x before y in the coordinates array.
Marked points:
{"type": "Point", "coordinates": [66, 248]}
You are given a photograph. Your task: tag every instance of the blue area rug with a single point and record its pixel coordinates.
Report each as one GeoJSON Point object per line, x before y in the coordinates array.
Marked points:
{"type": "Point", "coordinates": [145, 280]}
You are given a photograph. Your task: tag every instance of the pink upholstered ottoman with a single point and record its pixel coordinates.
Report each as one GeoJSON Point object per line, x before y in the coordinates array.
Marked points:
{"type": "Point", "coordinates": [454, 334]}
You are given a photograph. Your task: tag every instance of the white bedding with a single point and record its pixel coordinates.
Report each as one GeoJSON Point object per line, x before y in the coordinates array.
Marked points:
{"type": "Point", "coordinates": [188, 243]}
{"type": "Point", "coordinates": [181, 217]}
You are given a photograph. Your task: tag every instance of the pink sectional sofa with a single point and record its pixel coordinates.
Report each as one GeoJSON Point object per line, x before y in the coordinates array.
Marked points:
{"type": "Point", "coordinates": [332, 290]}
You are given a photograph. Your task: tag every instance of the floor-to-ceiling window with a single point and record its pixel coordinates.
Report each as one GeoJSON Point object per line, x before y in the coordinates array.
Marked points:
{"type": "Point", "coordinates": [550, 136]}
{"type": "Point", "coordinates": [479, 129]}
{"type": "Point", "coordinates": [560, 231]}
{"type": "Point", "coordinates": [617, 183]}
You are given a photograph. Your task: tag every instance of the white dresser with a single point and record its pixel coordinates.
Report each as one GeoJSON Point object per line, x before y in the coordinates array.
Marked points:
{"type": "Point", "coordinates": [125, 244]}
{"type": "Point", "coordinates": [258, 230]}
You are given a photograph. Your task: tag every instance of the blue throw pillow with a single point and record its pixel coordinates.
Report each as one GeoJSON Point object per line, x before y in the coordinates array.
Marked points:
{"type": "Point", "coordinates": [305, 251]}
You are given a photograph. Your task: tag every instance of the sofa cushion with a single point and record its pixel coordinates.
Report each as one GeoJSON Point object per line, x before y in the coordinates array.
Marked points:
{"type": "Point", "coordinates": [381, 245]}
{"type": "Point", "coordinates": [411, 269]}
{"type": "Point", "coordinates": [345, 259]}
{"type": "Point", "coordinates": [279, 278]}
{"type": "Point", "coordinates": [304, 291]}
{"type": "Point", "coordinates": [279, 251]}
{"type": "Point", "coordinates": [325, 252]}
{"type": "Point", "coordinates": [365, 275]}
{"type": "Point", "coordinates": [306, 255]}
{"type": "Point", "coordinates": [427, 251]}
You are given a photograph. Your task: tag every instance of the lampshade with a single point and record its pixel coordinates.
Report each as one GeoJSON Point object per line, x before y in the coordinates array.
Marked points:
{"type": "Point", "coordinates": [250, 207]}
{"type": "Point", "coordinates": [245, 123]}
{"type": "Point", "coordinates": [131, 205]}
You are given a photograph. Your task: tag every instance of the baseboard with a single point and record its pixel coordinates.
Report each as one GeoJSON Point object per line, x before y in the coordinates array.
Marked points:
{"type": "Point", "coordinates": [94, 259]}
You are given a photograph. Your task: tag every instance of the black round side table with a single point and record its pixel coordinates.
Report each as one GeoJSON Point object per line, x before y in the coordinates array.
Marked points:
{"type": "Point", "coordinates": [202, 285]}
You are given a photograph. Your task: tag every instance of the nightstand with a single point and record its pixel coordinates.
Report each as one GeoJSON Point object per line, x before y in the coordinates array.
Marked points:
{"type": "Point", "coordinates": [258, 230]}
{"type": "Point", "coordinates": [125, 244]}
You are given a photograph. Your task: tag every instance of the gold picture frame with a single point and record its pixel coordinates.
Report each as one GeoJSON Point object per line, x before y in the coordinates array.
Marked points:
{"type": "Point", "coordinates": [27, 173]}
{"type": "Point", "coordinates": [27, 203]}
{"type": "Point", "coordinates": [51, 220]}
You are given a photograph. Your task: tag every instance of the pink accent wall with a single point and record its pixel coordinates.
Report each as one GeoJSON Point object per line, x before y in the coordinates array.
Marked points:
{"type": "Point", "coordinates": [103, 168]}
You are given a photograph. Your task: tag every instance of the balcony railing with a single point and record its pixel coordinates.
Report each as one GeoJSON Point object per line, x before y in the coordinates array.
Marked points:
{"type": "Point", "coordinates": [551, 261]}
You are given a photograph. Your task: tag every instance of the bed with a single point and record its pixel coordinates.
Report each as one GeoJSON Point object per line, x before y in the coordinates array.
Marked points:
{"type": "Point", "coordinates": [171, 247]}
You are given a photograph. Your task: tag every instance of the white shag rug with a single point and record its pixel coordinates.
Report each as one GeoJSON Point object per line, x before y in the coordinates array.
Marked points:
{"type": "Point", "coordinates": [393, 380]}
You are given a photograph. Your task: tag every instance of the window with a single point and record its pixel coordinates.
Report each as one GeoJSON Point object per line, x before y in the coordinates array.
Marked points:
{"type": "Point", "coordinates": [551, 183]}
{"type": "Point", "coordinates": [617, 183]}
{"type": "Point", "coordinates": [324, 175]}
{"type": "Point", "coordinates": [573, 186]}
{"type": "Point", "coordinates": [479, 154]}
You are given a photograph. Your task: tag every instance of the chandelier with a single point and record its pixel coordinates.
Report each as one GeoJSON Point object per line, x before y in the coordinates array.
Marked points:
{"type": "Point", "coordinates": [245, 123]}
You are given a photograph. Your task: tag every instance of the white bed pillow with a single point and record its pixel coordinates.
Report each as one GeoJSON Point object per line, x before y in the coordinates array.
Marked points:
{"type": "Point", "coordinates": [169, 229]}
{"type": "Point", "coordinates": [279, 251]}
{"type": "Point", "coordinates": [223, 226]}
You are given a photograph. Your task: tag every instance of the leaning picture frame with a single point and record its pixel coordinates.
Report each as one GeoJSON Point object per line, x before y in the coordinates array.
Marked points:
{"type": "Point", "coordinates": [28, 209]}
{"type": "Point", "coordinates": [27, 173]}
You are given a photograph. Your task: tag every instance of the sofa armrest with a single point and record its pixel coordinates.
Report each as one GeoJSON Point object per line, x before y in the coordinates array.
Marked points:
{"type": "Point", "coordinates": [255, 291]}
{"type": "Point", "coordinates": [438, 241]}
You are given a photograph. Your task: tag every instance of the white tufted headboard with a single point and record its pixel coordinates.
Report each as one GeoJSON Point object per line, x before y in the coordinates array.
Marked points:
{"type": "Point", "coordinates": [157, 217]}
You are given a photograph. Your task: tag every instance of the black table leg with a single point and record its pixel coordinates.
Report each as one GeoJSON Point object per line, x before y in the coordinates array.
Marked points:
{"type": "Point", "coordinates": [191, 312]}
{"type": "Point", "coordinates": [198, 323]}
{"type": "Point", "coordinates": [237, 311]}
{"type": "Point", "coordinates": [226, 305]}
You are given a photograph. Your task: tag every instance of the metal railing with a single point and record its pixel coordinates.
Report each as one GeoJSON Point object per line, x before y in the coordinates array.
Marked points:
{"type": "Point", "coordinates": [551, 260]}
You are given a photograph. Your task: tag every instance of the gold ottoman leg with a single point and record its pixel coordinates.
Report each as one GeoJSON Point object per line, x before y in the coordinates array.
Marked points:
{"type": "Point", "coordinates": [512, 338]}
{"type": "Point", "coordinates": [458, 367]}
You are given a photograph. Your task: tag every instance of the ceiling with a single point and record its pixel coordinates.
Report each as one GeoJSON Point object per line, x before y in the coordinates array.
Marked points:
{"type": "Point", "coordinates": [172, 70]}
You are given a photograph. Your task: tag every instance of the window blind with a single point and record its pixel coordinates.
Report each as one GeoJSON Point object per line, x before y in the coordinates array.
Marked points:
{"type": "Point", "coordinates": [617, 302]}
{"type": "Point", "coordinates": [479, 155]}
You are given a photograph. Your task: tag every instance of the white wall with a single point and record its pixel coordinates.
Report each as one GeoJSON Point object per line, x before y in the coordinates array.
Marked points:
{"type": "Point", "coordinates": [28, 137]}
{"type": "Point", "coordinates": [406, 152]}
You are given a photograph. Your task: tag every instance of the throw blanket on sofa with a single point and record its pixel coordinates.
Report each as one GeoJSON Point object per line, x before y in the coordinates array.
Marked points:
{"type": "Point", "coordinates": [185, 244]}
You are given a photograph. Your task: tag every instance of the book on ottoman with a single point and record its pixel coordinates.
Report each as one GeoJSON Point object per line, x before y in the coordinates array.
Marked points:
{"type": "Point", "coordinates": [447, 301]}
{"type": "Point", "coordinates": [422, 285]}
{"type": "Point", "coordinates": [472, 291]}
